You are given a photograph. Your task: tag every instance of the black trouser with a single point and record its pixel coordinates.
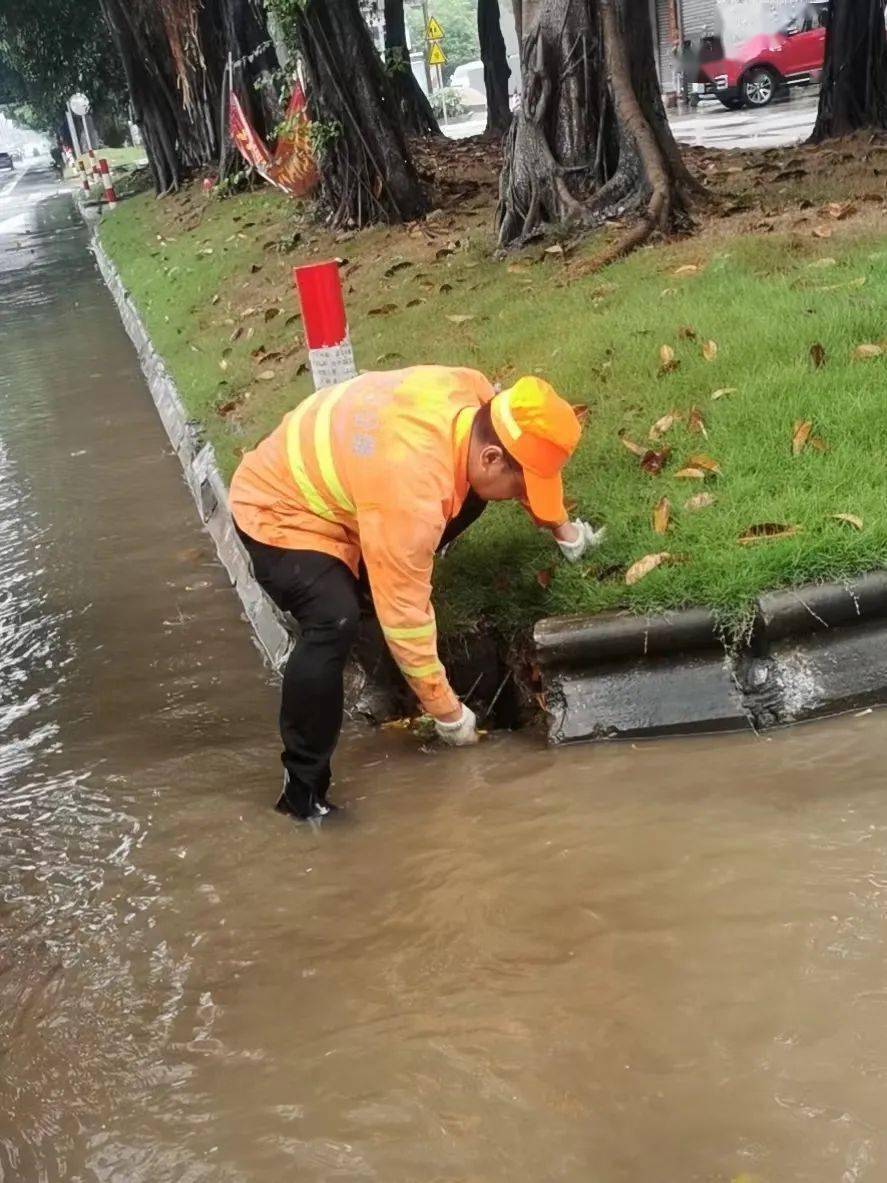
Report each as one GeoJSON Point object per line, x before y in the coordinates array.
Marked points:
{"type": "Point", "coordinates": [324, 597]}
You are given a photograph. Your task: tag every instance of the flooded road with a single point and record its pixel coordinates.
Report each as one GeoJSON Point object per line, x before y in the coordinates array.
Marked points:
{"type": "Point", "coordinates": [596, 965]}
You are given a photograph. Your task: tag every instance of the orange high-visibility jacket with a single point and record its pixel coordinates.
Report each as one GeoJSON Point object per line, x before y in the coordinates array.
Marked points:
{"type": "Point", "coordinates": [374, 467]}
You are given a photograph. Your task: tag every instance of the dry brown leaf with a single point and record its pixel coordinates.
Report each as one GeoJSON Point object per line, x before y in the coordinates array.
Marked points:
{"type": "Point", "coordinates": [817, 444]}
{"type": "Point", "coordinates": [661, 426]}
{"type": "Point", "coordinates": [580, 410]}
{"type": "Point", "coordinates": [557, 249]}
{"type": "Point", "coordinates": [644, 566]}
{"type": "Point", "coordinates": [270, 313]}
{"type": "Point", "coordinates": [223, 365]}
{"type": "Point", "coordinates": [518, 267]}
{"type": "Point", "coordinates": [800, 435]}
{"type": "Point", "coordinates": [266, 375]}
{"type": "Point", "coordinates": [705, 463]}
{"type": "Point", "coordinates": [710, 350]}
{"type": "Point", "coordinates": [687, 269]}
{"type": "Point", "coordinates": [661, 516]}
{"type": "Point", "coordinates": [865, 352]}
{"type": "Point", "coordinates": [696, 424]}
{"type": "Point", "coordinates": [722, 392]}
{"type": "Point", "coordinates": [382, 310]}
{"type": "Point", "coordinates": [690, 474]}
{"type": "Point", "coordinates": [543, 578]}
{"type": "Point", "coordinates": [460, 318]}
{"type": "Point", "coordinates": [669, 367]}
{"type": "Point", "coordinates": [840, 210]}
{"type": "Point", "coordinates": [686, 333]}
{"type": "Point", "coordinates": [669, 292]}
{"type": "Point", "coordinates": [635, 449]}
{"type": "Point", "coordinates": [817, 355]}
{"type": "Point", "coordinates": [666, 354]}
{"type": "Point", "coordinates": [765, 531]}
{"type": "Point", "coordinates": [700, 501]}
{"type": "Point", "coordinates": [822, 232]}
{"type": "Point", "coordinates": [849, 519]}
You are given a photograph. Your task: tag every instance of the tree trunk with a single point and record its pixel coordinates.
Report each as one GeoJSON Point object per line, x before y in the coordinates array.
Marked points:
{"type": "Point", "coordinates": [415, 110]}
{"type": "Point", "coordinates": [591, 141]}
{"type": "Point", "coordinates": [366, 171]}
{"type": "Point", "coordinates": [854, 81]}
{"type": "Point", "coordinates": [517, 9]}
{"type": "Point", "coordinates": [496, 71]}
{"type": "Point", "coordinates": [245, 37]}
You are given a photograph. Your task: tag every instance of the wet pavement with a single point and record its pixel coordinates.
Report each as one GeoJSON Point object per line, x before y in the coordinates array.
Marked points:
{"type": "Point", "coordinates": [783, 123]}
{"type": "Point", "coordinates": [612, 963]}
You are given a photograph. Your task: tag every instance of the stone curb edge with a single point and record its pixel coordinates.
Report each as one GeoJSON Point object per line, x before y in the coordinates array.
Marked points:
{"type": "Point", "coordinates": [813, 650]}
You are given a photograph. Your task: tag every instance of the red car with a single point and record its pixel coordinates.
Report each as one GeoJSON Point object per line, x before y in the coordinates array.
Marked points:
{"type": "Point", "coordinates": [765, 65]}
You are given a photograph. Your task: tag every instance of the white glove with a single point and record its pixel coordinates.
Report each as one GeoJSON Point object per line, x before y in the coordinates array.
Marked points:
{"type": "Point", "coordinates": [460, 734]}
{"type": "Point", "coordinates": [588, 539]}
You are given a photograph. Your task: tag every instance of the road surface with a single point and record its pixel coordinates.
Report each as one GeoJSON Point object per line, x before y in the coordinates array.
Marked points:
{"type": "Point", "coordinates": [713, 126]}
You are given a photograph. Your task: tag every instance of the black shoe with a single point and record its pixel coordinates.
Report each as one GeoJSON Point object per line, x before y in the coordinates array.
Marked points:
{"type": "Point", "coordinates": [302, 804]}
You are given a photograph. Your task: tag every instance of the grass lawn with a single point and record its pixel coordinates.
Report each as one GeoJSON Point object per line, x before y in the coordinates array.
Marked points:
{"type": "Point", "coordinates": [212, 279]}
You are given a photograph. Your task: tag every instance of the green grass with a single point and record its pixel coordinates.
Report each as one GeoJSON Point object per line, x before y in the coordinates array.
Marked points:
{"type": "Point", "coordinates": [763, 299]}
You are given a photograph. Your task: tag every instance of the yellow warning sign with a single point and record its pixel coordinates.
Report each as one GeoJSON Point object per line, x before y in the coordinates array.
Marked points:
{"type": "Point", "coordinates": [436, 56]}
{"type": "Point", "coordinates": [434, 32]}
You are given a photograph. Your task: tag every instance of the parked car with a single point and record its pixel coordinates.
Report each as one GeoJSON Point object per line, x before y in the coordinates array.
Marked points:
{"type": "Point", "coordinates": [6, 160]}
{"type": "Point", "coordinates": [761, 68]}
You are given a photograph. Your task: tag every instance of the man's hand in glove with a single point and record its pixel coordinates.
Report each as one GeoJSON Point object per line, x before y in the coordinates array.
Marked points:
{"type": "Point", "coordinates": [577, 538]}
{"type": "Point", "coordinates": [461, 733]}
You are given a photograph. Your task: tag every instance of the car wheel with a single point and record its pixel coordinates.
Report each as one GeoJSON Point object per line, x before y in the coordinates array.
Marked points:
{"type": "Point", "coordinates": [759, 87]}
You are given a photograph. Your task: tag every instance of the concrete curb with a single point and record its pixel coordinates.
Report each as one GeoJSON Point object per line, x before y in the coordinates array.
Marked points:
{"type": "Point", "coordinates": [812, 651]}
{"type": "Point", "coordinates": [202, 473]}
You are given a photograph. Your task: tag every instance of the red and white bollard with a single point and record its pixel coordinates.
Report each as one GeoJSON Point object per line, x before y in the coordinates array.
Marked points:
{"type": "Point", "coordinates": [84, 179]}
{"type": "Point", "coordinates": [96, 172]}
{"type": "Point", "coordinates": [110, 195]}
{"type": "Point", "coordinates": [326, 329]}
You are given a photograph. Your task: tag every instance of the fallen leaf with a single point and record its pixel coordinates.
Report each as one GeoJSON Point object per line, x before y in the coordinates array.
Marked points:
{"type": "Point", "coordinates": [266, 375]}
{"type": "Point", "coordinates": [519, 267]}
{"type": "Point", "coordinates": [226, 408]}
{"type": "Point", "coordinates": [215, 298]}
{"type": "Point", "coordinates": [710, 350]}
{"type": "Point", "coordinates": [817, 444]}
{"type": "Point", "coordinates": [800, 435]}
{"type": "Point", "coordinates": [255, 268]}
{"type": "Point", "coordinates": [237, 334]}
{"type": "Point", "coordinates": [654, 462]}
{"type": "Point", "coordinates": [822, 232]}
{"type": "Point", "coordinates": [817, 355]}
{"type": "Point", "coordinates": [382, 310]}
{"type": "Point", "coordinates": [543, 578]}
{"type": "Point", "coordinates": [765, 531]}
{"type": "Point", "coordinates": [686, 333]}
{"type": "Point", "coordinates": [661, 426]}
{"type": "Point", "coordinates": [270, 313]}
{"type": "Point", "coordinates": [635, 449]}
{"type": "Point", "coordinates": [669, 367]}
{"type": "Point", "coordinates": [669, 292]}
{"type": "Point", "coordinates": [666, 354]}
{"type": "Point", "coordinates": [699, 501]}
{"type": "Point", "coordinates": [705, 463]}
{"type": "Point", "coordinates": [722, 392]}
{"type": "Point", "coordinates": [580, 410]}
{"type": "Point", "coordinates": [849, 519]}
{"type": "Point", "coordinates": [661, 516]}
{"type": "Point", "coordinates": [557, 249]}
{"type": "Point", "coordinates": [864, 352]}
{"type": "Point", "coordinates": [696, 424]}
{"type": "Point", "coordinates": [840, 210]}
{"type": "Point", "coordinates": [688, 269]}
{"type": "Point", "coordinates": [395, 267]}
{"type": "Point", "coordinates": [690, 474]}
{"type": "Point", "coordinates": [460, 318]}
{"type": "Point", "coordinates": [223, 365]}
{"type": "Point", "coordinates": [644, 566]}
{"type": "Point", "coordinates": [384, 358]}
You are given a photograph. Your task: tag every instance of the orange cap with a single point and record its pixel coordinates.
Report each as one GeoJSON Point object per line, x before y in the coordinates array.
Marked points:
{"type": "Point", "coordinates": [540, 430]}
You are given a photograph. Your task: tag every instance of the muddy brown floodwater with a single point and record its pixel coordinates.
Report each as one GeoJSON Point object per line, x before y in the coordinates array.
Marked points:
{"type": "Point", "coordinates": [662, 962]}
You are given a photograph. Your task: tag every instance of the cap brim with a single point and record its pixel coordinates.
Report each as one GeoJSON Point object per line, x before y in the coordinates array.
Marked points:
{"type": "Point", "coordinates": [545, 495]}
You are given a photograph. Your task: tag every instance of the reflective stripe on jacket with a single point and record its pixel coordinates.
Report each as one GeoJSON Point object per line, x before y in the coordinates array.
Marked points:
{"type": "Point", "coordinates": [373, 468]}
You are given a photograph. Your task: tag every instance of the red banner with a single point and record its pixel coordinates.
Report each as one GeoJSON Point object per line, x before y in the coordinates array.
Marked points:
{"type": "Point", "coordinates": [291, 166]}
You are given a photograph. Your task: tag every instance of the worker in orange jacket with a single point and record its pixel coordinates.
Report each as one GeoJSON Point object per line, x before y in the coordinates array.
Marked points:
{"type": "Point", "coordinates": [384, 469]}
